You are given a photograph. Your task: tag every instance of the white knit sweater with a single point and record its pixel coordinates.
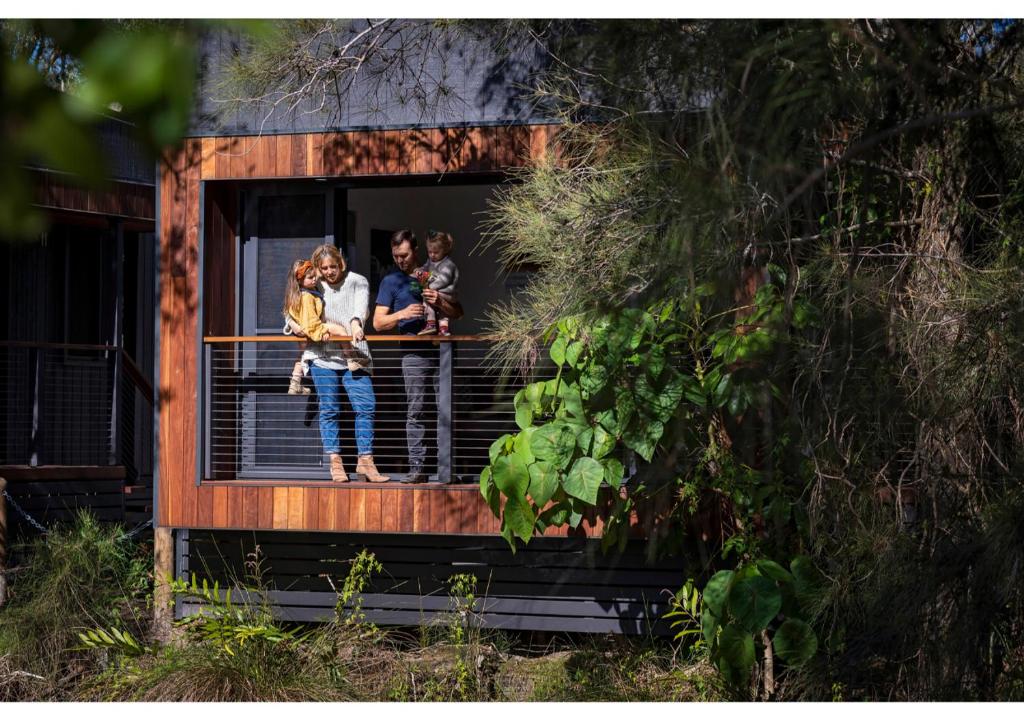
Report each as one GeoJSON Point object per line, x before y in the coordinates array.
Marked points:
{"type": "Point", "coordinates": [343, 302]}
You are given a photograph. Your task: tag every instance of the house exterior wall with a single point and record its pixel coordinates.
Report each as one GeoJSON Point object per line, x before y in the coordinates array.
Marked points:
{"type": "Point", "coordinates": [182, 498]}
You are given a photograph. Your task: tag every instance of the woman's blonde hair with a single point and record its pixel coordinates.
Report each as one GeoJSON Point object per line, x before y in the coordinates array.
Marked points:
{"type": "Point", "coordinates": [293, 288]}
{"type": "Point", "coordinates": [331, 252]}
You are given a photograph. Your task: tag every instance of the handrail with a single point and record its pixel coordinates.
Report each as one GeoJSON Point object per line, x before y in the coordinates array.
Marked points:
{"type": "Point", "coordinates": [348, 338]}
{"type": "Point", "coordinates": [54, 346]}
{"type": "Point", "coordinates": [138, 379]}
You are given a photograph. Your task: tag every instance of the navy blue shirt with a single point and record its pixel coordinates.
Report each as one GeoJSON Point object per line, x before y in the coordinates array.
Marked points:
{"type": "Point", "coordinates": [398, 291]}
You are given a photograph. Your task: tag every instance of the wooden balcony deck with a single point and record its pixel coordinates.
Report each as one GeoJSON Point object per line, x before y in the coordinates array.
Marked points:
{"type": "Point", "coordinates": [392, 507]}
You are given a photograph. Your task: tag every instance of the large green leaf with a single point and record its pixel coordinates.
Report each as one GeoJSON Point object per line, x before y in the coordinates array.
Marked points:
{"type": "Point", "coordinates": [524, 416]}
{"type": "Point", "coordinates": [543, 482]}
{"type": "Point", "coordinates": [594, 377]}
{"type": "Point", "coordinates": [511, 476]}
{"type": "Point", "coordinates": [612, 472]}
{"type": "Point", "coordinates": [520, 518]}
{"type": "Point", "coordinates": [521, 446]}
{"type": "Point", "coordinates": [604, 443]}
{"type": "Point", "coordinates": [554, 442]}
{"type": "Point", "coordinates": [737, 648]}
{"type": "Point", "coordinates": [498, 447]}
{"type": "Point", "coordinates": [584, 437]}
{"type": "Point", "coordinates": [557, 351]}
{"type": "Point", "coordinates": [584, 479]}
{"type": "Point", "coordinates": [716, 592]}
{"type": "Point", "coordinates": [808, 582]}
{"type": "Point", "coordinates": [609, 421]}
{"type": "Point", "coordinates": [570, 395]}
{"type": "Point", "coordinates": [642, 436]}
{"type": "Point", "coordinates": [795, 642]}
{"type": "Point", "coordinates": [754, 602]}
{"type": "Point", "coordinates": [573, 352]}
{"type": "Point", "coordinates": [771, 569]}
{"type": "Point", "coordinates": [490, 491]}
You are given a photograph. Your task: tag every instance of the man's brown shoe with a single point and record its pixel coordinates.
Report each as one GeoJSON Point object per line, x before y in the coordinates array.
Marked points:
{"type": "Point", "coordinates": [366, 470]}
{"type": "Point", "coordinates": [338, 473]}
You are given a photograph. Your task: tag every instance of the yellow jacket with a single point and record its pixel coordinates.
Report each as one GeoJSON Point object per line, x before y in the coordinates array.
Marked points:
{"type": "Point", "coordinates": [311, 312]}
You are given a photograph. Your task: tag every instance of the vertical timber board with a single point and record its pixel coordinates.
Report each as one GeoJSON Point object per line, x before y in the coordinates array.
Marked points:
{"type": "Point", "coordinates": [296, 508]}
{"type": "Point", "coordinates": [236, 507]}
{"type": "Point", "coordinates": [250, 508]}
{"type": "Point", "coordinates": [279, 509]}
{"type": "Point", "coordinates": [220, 507]}
{"type": "Point", "coordinates": [310, 514]}
{"type": "Point", "coordinates": [405, 511]}
{"type": "Point", "coordinates": [389, 510]}
{"type": "Point", "coordinates": [190, 316]}
{"type": "Point", "coordinates": [341, 509]}
{"type": "Point", "coordinates": [356, 509]}
{"type": "Point", "coordinates": [372, 510]}
{"type": "Point", "coordinates": [265, 502]}
{"type": "Point", "coordinates": [420, 510]}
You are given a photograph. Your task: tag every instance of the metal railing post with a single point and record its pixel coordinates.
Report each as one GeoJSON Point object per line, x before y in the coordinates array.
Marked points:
{"type": "Point", "coordinates": [115, 401]}
{"type": "Point", "coordinates": [444, 413]}
{"type": "Point", "coordinates": [35, 361]}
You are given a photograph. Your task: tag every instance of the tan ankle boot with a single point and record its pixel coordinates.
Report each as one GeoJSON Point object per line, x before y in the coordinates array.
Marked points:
{"type": "Point", "coordinates": [338, 473]}
{"type": "Point", "coordinates": [366, 470]}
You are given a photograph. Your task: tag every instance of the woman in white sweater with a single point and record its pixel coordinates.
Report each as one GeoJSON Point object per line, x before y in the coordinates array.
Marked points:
{"type": "Point", "coordinates": [344, 364]}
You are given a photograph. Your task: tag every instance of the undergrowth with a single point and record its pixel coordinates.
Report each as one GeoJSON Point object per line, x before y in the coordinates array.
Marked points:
{"type": "Point", "coordinates": [75, 587]}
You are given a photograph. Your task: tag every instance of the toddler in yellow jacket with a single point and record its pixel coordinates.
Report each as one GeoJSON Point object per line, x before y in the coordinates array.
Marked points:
{"type": "Point", "coordinates": [304, 304]}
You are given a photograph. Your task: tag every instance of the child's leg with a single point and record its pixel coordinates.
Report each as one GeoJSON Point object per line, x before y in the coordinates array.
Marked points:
{"type": "Point", "coordinates": [295, 385]}
{"type": "Point", "coordinates": [430, 315]}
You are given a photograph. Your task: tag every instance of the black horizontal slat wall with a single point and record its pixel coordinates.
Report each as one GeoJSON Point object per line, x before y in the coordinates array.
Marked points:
{"type": "Point", "coordinates": [51, 501]}
{"type": "Point", "coordinates": [554, 584]}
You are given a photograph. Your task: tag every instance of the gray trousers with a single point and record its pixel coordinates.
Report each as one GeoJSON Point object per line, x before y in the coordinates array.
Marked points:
{"type": "Point", "coordinates": [419, 372]}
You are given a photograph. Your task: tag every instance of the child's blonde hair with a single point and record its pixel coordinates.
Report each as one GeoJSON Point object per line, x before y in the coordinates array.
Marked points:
{"type": "Point", "coordinates": [293, 286]}
{"type": "Point", "coordinates": [445, 240]}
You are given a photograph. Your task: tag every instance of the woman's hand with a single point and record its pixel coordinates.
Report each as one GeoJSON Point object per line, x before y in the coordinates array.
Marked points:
{"type": "Point", "coordinates": [357, 330]}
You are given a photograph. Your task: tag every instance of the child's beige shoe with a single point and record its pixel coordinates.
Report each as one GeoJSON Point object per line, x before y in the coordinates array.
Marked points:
{"type": "Point", "coordinates": [295, 387]}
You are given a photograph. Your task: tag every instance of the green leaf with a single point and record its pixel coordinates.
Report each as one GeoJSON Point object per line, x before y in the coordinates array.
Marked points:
{"type": "Point", "coordinates": [554, 442]}
{"type": "Point", "coordinates": [556, 514]}
{"type": "Point", "coordinates": [604, 443]}
{"type": "Point", "coordinates": [795, 642]}
{"type": "Point", "coordinates": [737, 648]}
{"type": "Point", "coordinates": [511, 477]}
{"type": "Point", "coordinates": [708, 626]}
{"type": "Point", "coordinates": [642, 436]}
{"type": "Point", "coordinates": [497, 447]}
{"type": "Point", "coordinates": [771, 569]}
{"type": "Point", "coordinates": [524, 416]}
{"type": "Point", "coordinates": [490, 492]}
{"type": "Point", "coordinates": [716, 592]}
{"type": "Point", "coordinates": [521, 446]}
{"type": "Point", "coordinates": [573, 352]}
{"type": "Point", "coordinates": [557, 351]}
{"type": "Point", "coordinates": [519, 517]}
{"type": "Point", "coordinates": [754, 602]}
{"type": "Point", "coordinates": [808, 582]}
{"type": "Point", "coordinates": [584, 437]}
{"type": "Point", "coordinates": [584, 479]}
{"type": "Point", "coordinates": [594, 377]}
{"type": "Point", "coordinates": [570, 395]}
{"type": "Point", "coordinates": [612, 472]}
{"type": "Point", "coordinates": [543, 482]}
{"type": "Point", "coordinates": [609, 421]}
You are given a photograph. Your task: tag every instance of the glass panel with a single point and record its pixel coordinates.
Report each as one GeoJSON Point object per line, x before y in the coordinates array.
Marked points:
{"type": "Point", "coordinates": [273, 261]}
{"type": "Point", "coordinates": [292, 216]}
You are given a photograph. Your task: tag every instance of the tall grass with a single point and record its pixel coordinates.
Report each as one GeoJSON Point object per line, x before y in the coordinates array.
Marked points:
{"type": "Point", "coordinates": [78, 576]}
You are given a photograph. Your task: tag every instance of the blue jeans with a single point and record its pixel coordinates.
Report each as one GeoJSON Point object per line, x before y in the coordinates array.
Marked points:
{"type": "Point", "coordinates": [359, 387]}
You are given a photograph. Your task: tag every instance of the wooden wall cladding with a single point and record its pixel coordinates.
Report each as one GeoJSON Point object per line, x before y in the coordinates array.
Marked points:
{"type": "Point", "coordinates": [374, 152]}
{"type": "Point", "coordinates": [118, 199]}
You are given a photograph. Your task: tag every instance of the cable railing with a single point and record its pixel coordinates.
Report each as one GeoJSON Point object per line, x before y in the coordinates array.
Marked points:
{"type": "Point", "coordinates": [72, 404]}
{"type": "Point", "coordinates": [254, 429]}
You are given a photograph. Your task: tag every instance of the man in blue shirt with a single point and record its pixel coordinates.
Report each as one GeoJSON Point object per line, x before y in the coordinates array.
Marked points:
{"type": "Point", "coordinates": [400, 306]}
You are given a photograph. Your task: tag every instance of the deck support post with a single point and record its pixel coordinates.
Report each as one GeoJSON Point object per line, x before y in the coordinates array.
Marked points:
{"type": "Point", "coordinates": [3, 542]}
{"type": "Point", "coordinates": [163, 574]}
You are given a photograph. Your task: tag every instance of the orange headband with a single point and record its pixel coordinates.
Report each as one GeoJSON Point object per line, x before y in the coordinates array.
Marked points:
{"type": "Point", "coordinates": [301, 270]}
